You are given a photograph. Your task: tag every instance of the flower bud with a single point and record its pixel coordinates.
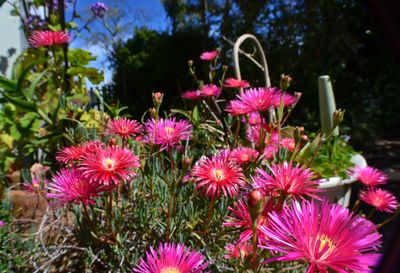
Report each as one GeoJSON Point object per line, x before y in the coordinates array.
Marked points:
{"type": "Point", "coordinates": [157, 98]}
{"type": "Point", "coordinates": [190, 63]}
{"type": "Point", "coordinates": [112, 141]}
{"type": "Point", "coordinates": [338, 116]}
{"type": "Point", "coordinates": [186, 162]}
{"type": "Point", "coordinates": [285, 82]}
{"type": "Point", "coordinates": [255, 203]}
{"type": "Point", "coordinates": [224, 68]}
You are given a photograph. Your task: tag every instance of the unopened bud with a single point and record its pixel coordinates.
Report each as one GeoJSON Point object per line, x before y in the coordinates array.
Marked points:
{"type": "Point", "coordinates": [255, 203]}
{"type": "Point", "coordinates": [338, 116]}
{"type": "Point", "coordinates": [112, 141]}
{"type": "Point", "coordinates": [157, 98]}
{"type": "Point", "coordinates": [224, 68]}
{"type": "Point", "coordinates": [286, 80]}
{"type": "Point", "coordinates": [186, 162]}
{"type": "Point", "coordinates": [190, 63]}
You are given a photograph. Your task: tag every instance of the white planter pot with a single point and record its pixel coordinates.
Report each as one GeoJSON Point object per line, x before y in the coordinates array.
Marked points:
{"type": "Point", "coordinates": [337, 189]}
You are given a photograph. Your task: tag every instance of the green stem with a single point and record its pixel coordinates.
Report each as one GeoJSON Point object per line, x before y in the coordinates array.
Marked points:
{"type": "Point", "coordinates": [371, 213]}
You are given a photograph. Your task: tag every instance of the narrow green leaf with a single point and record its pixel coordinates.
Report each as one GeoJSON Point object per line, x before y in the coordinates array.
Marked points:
{"type": "Point", "coordinates": [35, 82]}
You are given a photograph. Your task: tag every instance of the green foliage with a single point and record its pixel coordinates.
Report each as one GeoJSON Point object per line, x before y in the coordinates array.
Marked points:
{"type": "Point", "coordinates": [13, 249]}
{"type": "Point", "coordinates": [333, 158]}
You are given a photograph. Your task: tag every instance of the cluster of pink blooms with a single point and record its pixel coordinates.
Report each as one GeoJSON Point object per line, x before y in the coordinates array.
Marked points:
{"type": "Point", "coordinates": [258, 100]}
{"type": "Point", "coordinates": [208, 90]}
{"type": "Point", "coordinates": [371, 178]}
{"type": "Point", "coordinates": [92, 169]}
{"type": "Point", "coordinates": [44, 38]}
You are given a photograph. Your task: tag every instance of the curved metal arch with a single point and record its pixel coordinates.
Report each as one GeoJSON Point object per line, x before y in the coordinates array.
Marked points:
{"type": "Point", "coordinates": [263, 66]}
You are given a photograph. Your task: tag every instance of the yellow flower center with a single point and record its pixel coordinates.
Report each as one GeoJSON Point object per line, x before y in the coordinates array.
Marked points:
{"type": "Point", "coordinates": [169, 130]}
{"type": "Point", "coordinates": [170, 270]}
{"type": "Point", "coordinates": [325, 241]}
{"type": "Point", "coordinates": [109, 164]}
{"type": "Point", "coordinates": [218, 174]}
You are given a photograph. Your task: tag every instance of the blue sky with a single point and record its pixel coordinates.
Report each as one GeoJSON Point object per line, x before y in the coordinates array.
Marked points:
{"type": "Point", "coordinates": [155, 18]}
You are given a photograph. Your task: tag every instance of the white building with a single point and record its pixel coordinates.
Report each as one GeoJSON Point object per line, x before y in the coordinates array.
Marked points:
{"type": "Point", "coordinates": [12, 39]}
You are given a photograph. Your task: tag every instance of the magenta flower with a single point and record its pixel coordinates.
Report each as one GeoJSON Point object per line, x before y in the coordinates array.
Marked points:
{"type": "Point", "coordinates": [234, 83]}
{"type": "Point", "coordinates": [258, 100]}
{"type": "Point", "coordinates": [171, 258]}
{"type": "Point", "coordinates": [287, 179]}
{"type": "Point", "coordinates": [210, 90]}
{"type": "Point", "coordinates": [44, 38]}
{"type": "Point", "coordinates": [255, 119]}
{"type": "Point", "coordinates": [109, 166]}
{"type": "Point", "coordinates": [167, 133]}
{"type": "Point", "coordinates": [241, 219]}
{"type": "Point", "coordinates": [380, 199]}
{"type": "Point", "coordinates": [239, 250]}
{"type": "Point", "coordinates": [369, 176]}
{"type": "Point", "coordinates": [244, 155]}
{"type": "Point", "coordinates": [326, 237]}
{"type": "Point", "coordinates": [74, 153]}
{"type": "Point", "coordinates": [236, 108]}
{"type": "Point", "coordinates": [2, 223]}
{"type": "Point", "coordinates": [209, 55]}
{"type": "Point", "coordinates": [70, 154]}
{"type": "Point", "coordinates": [124, 127]}
{"type": "Point", "coordinates": [69, 185]}
{"type": "Point", "coordinates": [287, 99]}
{"type": "Point", "coordinates": [217, 175]}
{"type": "Point", "coordinates": [191, 95]}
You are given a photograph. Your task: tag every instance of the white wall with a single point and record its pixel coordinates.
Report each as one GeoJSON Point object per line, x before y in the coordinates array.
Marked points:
{"type": "Point", "coordinates": [12, 39]}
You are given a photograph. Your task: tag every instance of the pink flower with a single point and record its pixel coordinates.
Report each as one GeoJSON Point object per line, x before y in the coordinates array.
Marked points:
{"type": "Point", "coordinates": [109, 166]}
{"type": "Point", "coordinates": [48, 38]}
{"type": "Point", "coordinates": [167, 132]}
{"type": "Point", "coordinates": [74, 153]}
{"type": "Point", "coordinates": [171, 258]}
{"type": "Point", "coordinates": [209, 55]}
{"type": "Point", "coordinates": [123, 127]}
{"type": "Point", "coordinates": [258, 100]}
{"type": "Point", "coordinates": [380, 199]}
{"type": "Point", "coordinates": [243, 155]}
{"type": "Point", "coordinates": [218, 174]}
{"type": "Point", "coordinates": [241, 219]}
{"type": "Point", "coordinates": [255, 119]}
{"type": "Point", "coordinates": [369, 176]}
{"type": "Point", "coordinates": [70, 154]}
{"type": "Point", "coordinates": [240, 250]}
{"type": "Point", "coordinates": [327, 237]}
{"type": "Point", "coordinates": [69, 185]}
{"type": "Point", "coordinates": [234, 83]}
{"type": "Point", "coordinates": [236, 107]}
{"type": "Point", "coordinates": [191, 95]}
{"type": "Point", "coordinates": [287, 179]}
{"type": "Point", "coordinates": [2, 223]}
{"type": "Point", "coordinates": [287, 99]}
{"type": "Point", "coordinates": [288, 143]}
{"type": "Point", "coordinates": [270, 151]}
{"type": "Point", "coordinates": [210, 90]}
